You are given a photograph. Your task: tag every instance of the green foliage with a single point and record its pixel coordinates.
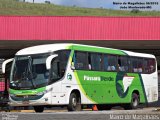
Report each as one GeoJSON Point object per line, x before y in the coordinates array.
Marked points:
{"type": "Point", "coordinates": [13, 7]}
{"type": "Point", "coordinates": [135, 11]}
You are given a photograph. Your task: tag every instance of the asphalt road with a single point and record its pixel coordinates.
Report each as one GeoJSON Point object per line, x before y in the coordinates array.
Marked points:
{"type": "Point", "coordinates": [141, 114]}
{"type": "Point", "coordinates": [117, 113]}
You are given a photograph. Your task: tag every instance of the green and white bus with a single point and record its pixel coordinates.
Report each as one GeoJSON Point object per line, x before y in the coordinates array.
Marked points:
{"type": "Point", "coordinates": [73, 75]}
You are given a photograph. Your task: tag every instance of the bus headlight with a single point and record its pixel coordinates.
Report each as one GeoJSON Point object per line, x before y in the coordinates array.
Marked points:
{"type": "Point", "coordinates": [40, 93]}
{"type": "Point", "coordinates": [12, 95]}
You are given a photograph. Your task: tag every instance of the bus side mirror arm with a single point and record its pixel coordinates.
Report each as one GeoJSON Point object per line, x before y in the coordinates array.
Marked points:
{"type": "Point", "coordinates": [49, 60]}
{"type": "Point", "coordinates": [72, 67]}
{"type": "Point", "coordinates": [5, 63]}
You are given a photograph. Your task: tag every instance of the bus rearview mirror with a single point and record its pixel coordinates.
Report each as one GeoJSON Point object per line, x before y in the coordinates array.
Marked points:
{"type": "Point", "coordinates": [4, 64]}
{"type": "Point", "coordinates": [49, 60]}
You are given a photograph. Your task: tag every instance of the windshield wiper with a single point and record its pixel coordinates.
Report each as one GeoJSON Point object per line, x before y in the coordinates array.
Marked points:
{"type": "Point", "coordinates": [30, 74]}
{"type": "Point", "coordinates": [15, 83]}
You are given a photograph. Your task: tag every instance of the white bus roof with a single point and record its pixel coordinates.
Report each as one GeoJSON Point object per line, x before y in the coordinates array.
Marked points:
{"type": "Point", "coordinates": [42, 49]}
{"type": "Point", "coordinates": [60, 46]}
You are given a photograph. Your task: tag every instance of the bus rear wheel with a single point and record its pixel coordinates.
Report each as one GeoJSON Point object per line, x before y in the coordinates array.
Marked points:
{"type": "Point", "coordinates": [134, 102]}
{"type": "Point", "coordinates": [39, 109]}
{"type": "Point", "coordinates": [74, 102]}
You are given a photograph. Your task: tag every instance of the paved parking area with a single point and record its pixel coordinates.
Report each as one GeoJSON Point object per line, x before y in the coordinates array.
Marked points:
{"type": "Point", "coordinates": [140, 114]}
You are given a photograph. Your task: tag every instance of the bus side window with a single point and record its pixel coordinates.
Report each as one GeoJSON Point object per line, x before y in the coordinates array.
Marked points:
{"type": "Point", "coordinates": [149, 65]}
{"type": "Point", "coordinates": [140, 65]}
{"type": "Point", "coordinates": [105, 62]}
{"type": "Point", "coordinates": [112, 63]}
{"type": "Point", "coordinates": [137, 65]}
{"type": "Point", "coordinates": [89, 62]}
{"type": "Point", "coordinates": [123, 63]}
{"type": "Point", "coordinates": [134, 64]}
{"type": "Point", "coordinates": [152, 65]}
{"type": "Point", "coordinates": [55, 69]}
{"type": "Point", "coordinates": [63, 57]}
{"type": "Point", "coordinates": [145, 66]}
{"type": "Point", "coordinates": [80, 60]}
{"type": "Point", "coordinates": [95, 61]}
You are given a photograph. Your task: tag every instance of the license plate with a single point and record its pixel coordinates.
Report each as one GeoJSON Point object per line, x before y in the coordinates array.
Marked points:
{"type": "Point", "coordinates": [25, 102]}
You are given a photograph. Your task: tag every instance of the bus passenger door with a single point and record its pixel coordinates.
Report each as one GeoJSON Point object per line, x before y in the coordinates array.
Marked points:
{"type": "Point", "coordinates": [55, 80]}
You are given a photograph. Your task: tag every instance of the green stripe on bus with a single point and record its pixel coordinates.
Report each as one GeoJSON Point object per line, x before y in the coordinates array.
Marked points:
{"type": "Point", "coordinates": [98, 49]}
{"type": "Point", "coordinates": [101, 87]}
{"type": "Point", "coordinates": [81, 87]}
{"type": "Point", "coordinates": [27, 92]}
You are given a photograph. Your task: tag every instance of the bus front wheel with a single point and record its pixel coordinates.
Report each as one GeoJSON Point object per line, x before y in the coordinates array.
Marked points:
{"type": "Point", "coordinates": [39, 109]}
{"type": "Point", "coordinates": [74, 102]}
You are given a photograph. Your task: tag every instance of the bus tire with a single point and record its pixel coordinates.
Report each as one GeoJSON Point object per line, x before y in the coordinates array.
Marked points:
{"type": "Point", "coordinates": [38, 109]}
{"type": "Point", "coordinates": [134, 102]}
{"type": "Point", "coordinates": [74, 102]}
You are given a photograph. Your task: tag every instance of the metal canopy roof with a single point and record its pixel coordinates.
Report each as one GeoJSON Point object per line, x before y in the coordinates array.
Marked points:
{"type": "Point", "coordinates": [128, 33]}
{"type": "Point", "coordinates": [79, 28]}
{"type": "Point", "coordinates": [9, 48]}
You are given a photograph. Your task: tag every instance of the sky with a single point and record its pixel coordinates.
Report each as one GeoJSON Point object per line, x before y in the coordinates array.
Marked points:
{"type": "Point", "coordinates": [99, 3]}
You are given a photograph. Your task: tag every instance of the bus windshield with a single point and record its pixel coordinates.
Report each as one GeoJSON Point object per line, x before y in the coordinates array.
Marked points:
{"type": "Point", "coordinates": [29, 72]}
